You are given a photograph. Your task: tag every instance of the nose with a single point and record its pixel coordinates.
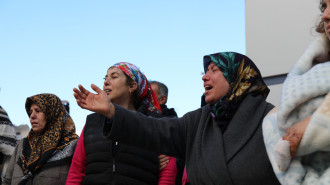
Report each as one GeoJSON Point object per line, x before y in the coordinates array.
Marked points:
{"type": "Point", "coordinates": [205, 77]}
{"type": "Point", "coordinates": [33, 115]}
{"type": "Point", "coordinates": [106, 81]}
{"type": "Point", "coordinates": [326, 15]}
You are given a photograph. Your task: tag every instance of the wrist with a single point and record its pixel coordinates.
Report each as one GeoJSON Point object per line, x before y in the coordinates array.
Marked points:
{"type": "Point", "coordinates": [111, 111]}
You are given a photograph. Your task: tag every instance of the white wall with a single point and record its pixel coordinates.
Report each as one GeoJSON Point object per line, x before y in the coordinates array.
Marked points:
{"type": "Point", "coordinates": [277, 33]}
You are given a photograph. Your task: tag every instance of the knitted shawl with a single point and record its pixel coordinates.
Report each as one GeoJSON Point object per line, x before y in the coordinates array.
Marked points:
{"type": "Point", "coordinates": [305, 93]}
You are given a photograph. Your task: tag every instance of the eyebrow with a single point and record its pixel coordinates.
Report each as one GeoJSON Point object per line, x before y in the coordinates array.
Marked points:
{"type": "Point", "coordinates": [111, 73]}
{"type": "Point", "coordinates": [31, 109]}
{"type": "Point", "coordinates": [115, 72]}
{"type": "Point", "coordinates": [34, 108]}
{"type": "Point", "coordinates": [211, 66]}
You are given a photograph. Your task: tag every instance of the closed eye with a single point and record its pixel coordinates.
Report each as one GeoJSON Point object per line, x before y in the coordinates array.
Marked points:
{"type": "Point", "coordinates": [323, 7]}
{"type": "Point", "coordinates": [214, 70]}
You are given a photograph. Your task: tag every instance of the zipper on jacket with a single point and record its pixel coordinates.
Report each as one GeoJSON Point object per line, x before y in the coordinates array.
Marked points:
{"type": "Point", "coordinates": [114, 152]}
{"type": "Point", "coordinates": [113, 165]}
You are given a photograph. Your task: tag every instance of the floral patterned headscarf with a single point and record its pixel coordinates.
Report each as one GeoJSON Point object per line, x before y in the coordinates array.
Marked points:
{"type": "Point", "coordinates": [57, 141]}
{"type": "Point", "coordinates": [243, 77]}
{"type": "Point", "coordinates": [145, 92]}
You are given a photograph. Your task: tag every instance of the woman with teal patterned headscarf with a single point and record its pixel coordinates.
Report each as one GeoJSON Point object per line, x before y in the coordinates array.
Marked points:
{"type": "Point", "coordinates": [243, 77]}
{"type": "Point", "coordinates": [221, 142]}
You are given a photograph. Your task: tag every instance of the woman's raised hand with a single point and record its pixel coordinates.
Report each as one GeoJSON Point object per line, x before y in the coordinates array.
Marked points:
{"type": "Point", "coordinates": [99, 102]}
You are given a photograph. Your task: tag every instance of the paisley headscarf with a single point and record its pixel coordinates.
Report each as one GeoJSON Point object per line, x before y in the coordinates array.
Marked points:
{"type": "Point", "coordinates": [145, 92]}
{"type": "Point", "coordinates": [55, 143]}
{"type": "Point", "coordinates": [243, 77]}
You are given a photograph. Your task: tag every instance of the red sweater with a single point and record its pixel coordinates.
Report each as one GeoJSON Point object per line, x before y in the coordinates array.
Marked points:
{"type": "Point", "coordinates": [78, 167]}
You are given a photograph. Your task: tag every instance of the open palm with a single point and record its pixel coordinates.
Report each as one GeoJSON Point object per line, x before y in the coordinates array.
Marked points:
{"type": "Point", "coordinates": [99, 102]}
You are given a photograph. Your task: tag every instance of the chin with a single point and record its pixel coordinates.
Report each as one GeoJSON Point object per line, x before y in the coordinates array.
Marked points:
{"type": "Point", "coordinates": [36, 131]}
{"type": "Point", "coordinates": [208, 101]}
{"type": "Point", "coordinates": [211, 101]}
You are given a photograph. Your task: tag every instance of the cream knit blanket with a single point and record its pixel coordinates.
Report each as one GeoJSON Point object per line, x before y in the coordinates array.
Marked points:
{"type": "Point", "coordinates": [305, 92]}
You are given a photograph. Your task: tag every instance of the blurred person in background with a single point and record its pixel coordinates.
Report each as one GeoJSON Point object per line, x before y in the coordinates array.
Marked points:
{"type": "Point", "coordinates": [7, 140]}
{"type": "Point", "coordinates": [161, 92]}
{"type": "Point", "coordinates": [66, 105]}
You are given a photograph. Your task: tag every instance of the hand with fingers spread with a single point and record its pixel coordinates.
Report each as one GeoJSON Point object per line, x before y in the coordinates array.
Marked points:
{"type": "Point", "coordinates": [128, 88]}
{"type": "Point", "coordinates": [295, 134]}
{"type": "Point", "coordinates": [98, 103]}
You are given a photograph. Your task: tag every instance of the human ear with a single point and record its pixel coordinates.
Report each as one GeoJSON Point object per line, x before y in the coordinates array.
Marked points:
{"type": "Point", "coordinates": [133, 87]}
{"type": "Point", "coordinates": [163, 100]}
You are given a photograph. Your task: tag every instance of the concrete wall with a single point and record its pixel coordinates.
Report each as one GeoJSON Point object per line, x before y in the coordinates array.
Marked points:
{"type": "Point", "coordinates": [277, 33]}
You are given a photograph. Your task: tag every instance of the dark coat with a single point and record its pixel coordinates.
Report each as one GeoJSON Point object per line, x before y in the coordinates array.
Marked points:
{"type": "Point", "coordinates": [236, 157]}
{"type": "Point", "coordinates": [170, 113]}
{"type": "Point", "coordinates": [55, 175]}
{"type": "Point", "coordinates": [110, 162]}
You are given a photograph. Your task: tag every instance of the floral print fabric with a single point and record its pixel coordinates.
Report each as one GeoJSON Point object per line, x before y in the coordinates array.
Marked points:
{"type": "Point", "coordinates": [243, 77]}
{"type": "Point", "coordinates": [146, 94]}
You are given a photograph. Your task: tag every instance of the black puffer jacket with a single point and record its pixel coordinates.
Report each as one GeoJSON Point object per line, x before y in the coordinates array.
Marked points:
{"type": "Point", "coordinates": [109, 162]}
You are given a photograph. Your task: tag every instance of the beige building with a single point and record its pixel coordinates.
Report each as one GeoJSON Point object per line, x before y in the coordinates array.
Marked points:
{"type": "Point", "coordinates": [277, 33]}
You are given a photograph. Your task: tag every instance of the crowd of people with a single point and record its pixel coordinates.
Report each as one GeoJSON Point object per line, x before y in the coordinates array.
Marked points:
{"type": "Point", "coordinates": [235, 137]}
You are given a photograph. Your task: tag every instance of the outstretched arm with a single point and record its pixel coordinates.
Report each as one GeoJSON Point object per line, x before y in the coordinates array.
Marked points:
{"type": "Point", "coordinates": [99, 102]}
